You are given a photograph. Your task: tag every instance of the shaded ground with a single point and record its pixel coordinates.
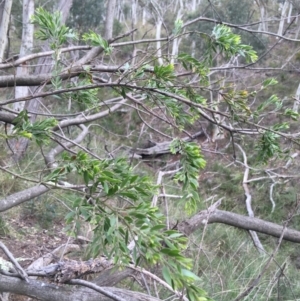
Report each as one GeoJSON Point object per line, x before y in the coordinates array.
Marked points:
{"type": "Point", "coordinates": [27, 242]}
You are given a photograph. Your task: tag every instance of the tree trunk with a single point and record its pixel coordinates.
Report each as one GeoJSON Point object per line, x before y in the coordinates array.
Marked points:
{"type": "Point", "coordinates": [144, 14]}
{"type": "Point", "coordinates": [297, 100]}
{"type": "Point", "coordinates": [134, 6]}
{"type": "Point", "coordinates": [194, 5]}
{"type": "Point", "coordinates": [20, 145]}
{"type": "Point", "coordinates": [176, 41]}
{"type": "Point", "coordinates": [26, 48]}
{"type": "Point", "coordinates": [109, 20]}
{"type": "Point", "coordinates": [283, 15]}
{"type": "Point", "coordinates": [4, 27]}
{"type": "Point", "coordinates": [290, 13]}
{"type": "Point", "coordinates": [263, 26]}
{"type": "Point", "coordinates": [158, 43]}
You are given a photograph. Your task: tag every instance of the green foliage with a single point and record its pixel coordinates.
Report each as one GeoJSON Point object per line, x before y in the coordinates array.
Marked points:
{"type": "Point", "coordinates": [95, 39]}
{"type": "Point", "coordinates": [192, 162]}
{"type": "Point", "coordinates": [51, 28]}
{"type": "Point", "coordinates": [273, 99]}
{"type": "Point", "coordinates": [291, 113]}
{"type": "Point", "coordinates": [39, 130]}
{"type": "Point", "coordinates": [163, 74]}
{"type": "Point", "coordinates": [178, 27]}
{"type": "Point", "coordinates": [181, 115]}
{"type": "Point", "coordinates": [238, 103]}
{"type": "Point", "coordinates": [163, 79]}
{"type": "Point", "coordinates": [193, 292]}
{"type": "Point", "coordinates": [136, 220]}
{"type": "Point", "coordinates": [224, 40]}
{"type": "Point", "coordinates": [192, 64]}
{"type": "Point", "coordinates": [269, 82]}
{"type": "Point", "coordinates": [85, 98]}
{"type": "Point", "coordinates": [269, 146]}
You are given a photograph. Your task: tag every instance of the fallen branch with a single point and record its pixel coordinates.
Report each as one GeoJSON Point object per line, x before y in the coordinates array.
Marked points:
{"type": "Point", "coordinates": [17, 266]}
{"type": "Point", "coordinates": [51, 292]}
{"type": "Point", "coordinates": [161, 148]}
{"type": "Point", "coordinates": [72, 269]}
{"type": "Point", "coordinates": [239, 221]}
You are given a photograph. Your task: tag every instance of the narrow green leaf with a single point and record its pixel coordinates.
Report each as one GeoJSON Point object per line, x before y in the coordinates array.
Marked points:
{"type": "Point", "coordinates": [166, 275]}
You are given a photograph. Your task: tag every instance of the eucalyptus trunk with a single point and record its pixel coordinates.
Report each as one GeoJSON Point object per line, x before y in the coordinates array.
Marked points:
{"type": "Point", "coordinates": [5, 17]}
{"type": "Point", "coordinates": [284, 10]}
{"type": "Point", "coordinates": [26, 48]}
{"type": "Point", "coordinates": [44, 66]}
{"type": "Point", "coordinates": [109, 20]}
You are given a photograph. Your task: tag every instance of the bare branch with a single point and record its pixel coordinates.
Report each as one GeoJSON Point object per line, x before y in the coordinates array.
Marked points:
{"type": "Point", "coordinates": [248, 200]}
{"type": "Point", "coordinates": [97, 289]}
{"type": "Point", "coordinates": [50, 292]}
{"type": "Point", "coordinates": [241, 27]}
{"type": "Point", "coordinates": [19, 269]}
{"type": "Point", "coordinates": [22, 196]}
{"type": "Point", "coordinates": [237, 220]}
{"type": "Point", "coordinates": [50, 157]}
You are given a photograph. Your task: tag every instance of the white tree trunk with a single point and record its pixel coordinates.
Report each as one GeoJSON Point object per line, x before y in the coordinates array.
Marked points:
{"type": "Point", "coordinates": [194, 5]}
{"type": "Point", "coordinates": [297, 100]}
{"type": "Point", "coordinates": [134, 6]}
{"type": "Point", "coordinates": [176, 41]}
{"type": "Point", "coordinates": [262, 6]}
{"type": "Point", "coordinates": [4, 28]}
{"type": "Point", "coordinates": [283, 15]}
{"type": "Point", "coordinates": [26, 47]}
{"type": "Point", "coordinates": [19, 146]}
{"type": "Point", "coordinates": [158, 43]}
{"type": "Point", "coordinates": [144, 14]}
{"type": "Point", "coordinates": [64, 7]}
{"type": "Point", "coordinates": [119, 12]}
{"type": "Point", "coordinates": [290, 13]}
{"type": "Point", "coordinates": [297, 31]}
{"type": "Point", "coordinates": [109, 20]}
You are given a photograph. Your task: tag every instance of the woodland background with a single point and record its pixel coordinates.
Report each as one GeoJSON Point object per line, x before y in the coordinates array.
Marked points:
{"type": "Point", "coordinates": [163, 135]}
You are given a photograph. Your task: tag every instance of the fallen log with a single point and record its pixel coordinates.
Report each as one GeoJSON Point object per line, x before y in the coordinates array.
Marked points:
{"type": "Point", "coordinates": [213, 215]}
{"type": "Point", "coordinates": [161, 148]}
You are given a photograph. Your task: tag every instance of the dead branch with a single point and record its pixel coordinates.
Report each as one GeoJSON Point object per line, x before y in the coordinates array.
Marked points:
{"type": "Point", "coordinates": [18, 268]}
{"type": "Point", "coordinates": [236, 220]}
{"type": "Point", "coordinates": [248, 199]}
{"type": "Point", "coordinates": [72, 269]}
{"type": "Point", "coordinates": [46, 259]}
{"type": "Point", "coordinates": [162, 148]}
{"type": "Point", "coordinates": [97, 289]}
{"type": "Point", "coordinates": [50, 292]}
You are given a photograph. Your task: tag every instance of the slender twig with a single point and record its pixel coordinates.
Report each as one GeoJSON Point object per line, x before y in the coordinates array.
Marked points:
{"type": "Point", "coordinates": [248, 199]}
{"type": "Point", "coordinates": [19, 269]}
{"type": "Point", "coordinates": [157, 279]}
